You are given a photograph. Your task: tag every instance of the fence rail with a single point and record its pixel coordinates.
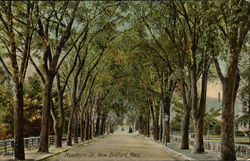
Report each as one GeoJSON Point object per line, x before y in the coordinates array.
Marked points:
{"type": "Point", "coordinates": [242, 151]}
{"type": "Point", "coordinates": [7, 146]}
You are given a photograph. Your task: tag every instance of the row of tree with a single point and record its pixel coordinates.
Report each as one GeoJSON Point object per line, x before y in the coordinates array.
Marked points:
{"type": "Point", "coordinates": [102, 61]}
{"type": "Point", "coordinates": [67, 44]}
{"type": "Point", "coordinates": [177, 49]}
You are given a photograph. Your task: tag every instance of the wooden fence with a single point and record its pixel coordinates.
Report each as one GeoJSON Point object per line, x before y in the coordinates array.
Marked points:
{"type": "Point", "coordinates": [7, 146]}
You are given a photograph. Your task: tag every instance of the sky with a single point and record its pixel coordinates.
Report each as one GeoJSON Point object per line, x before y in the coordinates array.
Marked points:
{"type": "Point", "coordinates": [213, 88]}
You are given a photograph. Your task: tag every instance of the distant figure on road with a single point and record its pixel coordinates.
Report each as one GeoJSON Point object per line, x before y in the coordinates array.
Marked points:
{"type": "Point", "coordinates": [122, 129]}
{"type": "Point", "coordinates": [130, 130]}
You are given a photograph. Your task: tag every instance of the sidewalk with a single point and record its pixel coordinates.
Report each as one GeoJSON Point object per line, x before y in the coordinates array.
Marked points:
{"type": "Point", "coordinates": [174, 147]}
{"type": "Point", "coordinates": [31, 154]}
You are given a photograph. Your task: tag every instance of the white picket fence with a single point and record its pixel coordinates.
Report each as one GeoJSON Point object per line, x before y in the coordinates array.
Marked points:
{"type": "Point", "coordinates": [7, 146]}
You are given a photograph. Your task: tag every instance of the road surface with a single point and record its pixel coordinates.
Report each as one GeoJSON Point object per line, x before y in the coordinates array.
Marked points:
{"type": "Point", "coordinates": [120, 146]}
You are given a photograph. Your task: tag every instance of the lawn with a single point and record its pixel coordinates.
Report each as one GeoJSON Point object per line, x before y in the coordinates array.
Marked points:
{"type": "Point", "coordinates": [238, 140]}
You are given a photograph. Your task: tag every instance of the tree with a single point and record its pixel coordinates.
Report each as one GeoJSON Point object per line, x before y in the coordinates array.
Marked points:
{"type": "Point", "coordinates": [16, 20]}
{"type": "Point", "coordinates": [234, 23]}
{"type": "Point", "coordinates": [52, 48]}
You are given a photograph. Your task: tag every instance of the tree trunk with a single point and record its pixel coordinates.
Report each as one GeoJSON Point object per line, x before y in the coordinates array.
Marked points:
{"type": "Point", "coordinates": [199, 146]}
{"type": "Point", "coordinates": [199, 119]}
{"type": "Point", "coordinates": [186, 120]}
{"type": "Point", "coordinates": [155, 117]}
{"type": "Point", "coordinates": [70, 125]}
{"type": "Point", "coordinates": [167, 102]}
{"type": "Point", "coordinates": [156, 130]}
{"type": "Point", "coordinates": [60, 123]}
{"type": "Point", "coordinates": [103, 120]}
{"type": "Point", "coordinates": [44, 136]}
{"type": "Point", "coordinates": [91, 123]}
{"type": "Point", "coordinates": [58, 136]}
{"type": "Point", "coordinates": [227, 128]}
{"type": "Point", "coordinates": [148, 125]}
{"type": "Point", "coordinates": [90, 127]}
{"type": "Point", "coordinates": [167, 135]}
{"type": "Point", "coordinates": [76, 129]}
{"type": "Point", "coordinates": [87, 126]}
{"type": "Point", "coordinates": [18, 123]}
{"type": "Point", "coordinates": [82, 127]}
{"type": "Point", "coordinates": [157, 112]}
{"type": "Point", "coordinates": [58, 128]}
{"type": "Point", "coordinates": [161, 125]}
{"type": "Point", "coordinates": [167, 130]}
{"type": "Point", "coordinates": [230, 88]}
{"type": "Point", "coordinates": [137, 125]}
{"type": "Point", "coordinates": [185, 130]}
{"type": "Point", "coordinates": [107, 127]}
{"type": "Point", "coordinates": [97, 127]}
{"type": "Point", "coordinates": [144, 127]}
{"type": "Point", "coordinates": [140, 125]}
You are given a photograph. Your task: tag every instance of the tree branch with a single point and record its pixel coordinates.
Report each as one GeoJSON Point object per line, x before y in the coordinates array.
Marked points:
{"type": "Point", "coordinates": [218, 69]}
{"type": "Point", "coordinates": [37, 70]}
{"type": "Point", "coordinates": [5, 67]}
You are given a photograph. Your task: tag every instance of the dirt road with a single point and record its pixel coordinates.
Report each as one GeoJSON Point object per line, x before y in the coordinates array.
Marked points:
{"type": "Point", "coordinates": [119, 146]}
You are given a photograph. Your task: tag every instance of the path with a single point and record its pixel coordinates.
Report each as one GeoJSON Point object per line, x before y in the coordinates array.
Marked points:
{"type": "Point", "coordinates": [119, 146]}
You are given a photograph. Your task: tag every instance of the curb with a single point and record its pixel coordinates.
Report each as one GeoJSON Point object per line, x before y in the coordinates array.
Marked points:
{"type": "Point", "coordinates": [181, 154]}
{"type": "Point", "coordinates": [74, 146]}
{"type": "Point", "coordinates": [171, 150]}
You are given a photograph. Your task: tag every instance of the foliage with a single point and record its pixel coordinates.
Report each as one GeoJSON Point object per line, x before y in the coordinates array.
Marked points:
{"type": "Point", "coordinates": [122, 58]}
{"type": "Point", "coordinates": [6, 106]}
{"type": "Point", "coordinates": [177, 113]}
{"type": "Point", "coordinates": [32, 105]}
{"type": "Point", "coordinates": [212, 122]}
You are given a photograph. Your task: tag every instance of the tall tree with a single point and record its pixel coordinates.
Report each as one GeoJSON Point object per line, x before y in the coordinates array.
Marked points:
{"type": "Point", "coordinates": [234, 24]}
{"type": "Point", "coordinates": [16, 36]}
{"type": "Point", "coordinates": [52, 52]}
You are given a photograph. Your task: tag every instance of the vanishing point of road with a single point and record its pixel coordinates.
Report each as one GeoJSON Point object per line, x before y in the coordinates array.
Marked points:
{"type": "Point", "coordinates": [120, 146]}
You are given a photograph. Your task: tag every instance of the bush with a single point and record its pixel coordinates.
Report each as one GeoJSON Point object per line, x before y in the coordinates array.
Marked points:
{"type": "Point", "coordinates": [239, 133]}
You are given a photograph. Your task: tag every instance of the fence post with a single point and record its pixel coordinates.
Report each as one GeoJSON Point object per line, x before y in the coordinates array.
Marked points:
{"type": "Point", "coordinates": [4, 148]}
{"type": "Point", "coordinates": [12, 146]}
